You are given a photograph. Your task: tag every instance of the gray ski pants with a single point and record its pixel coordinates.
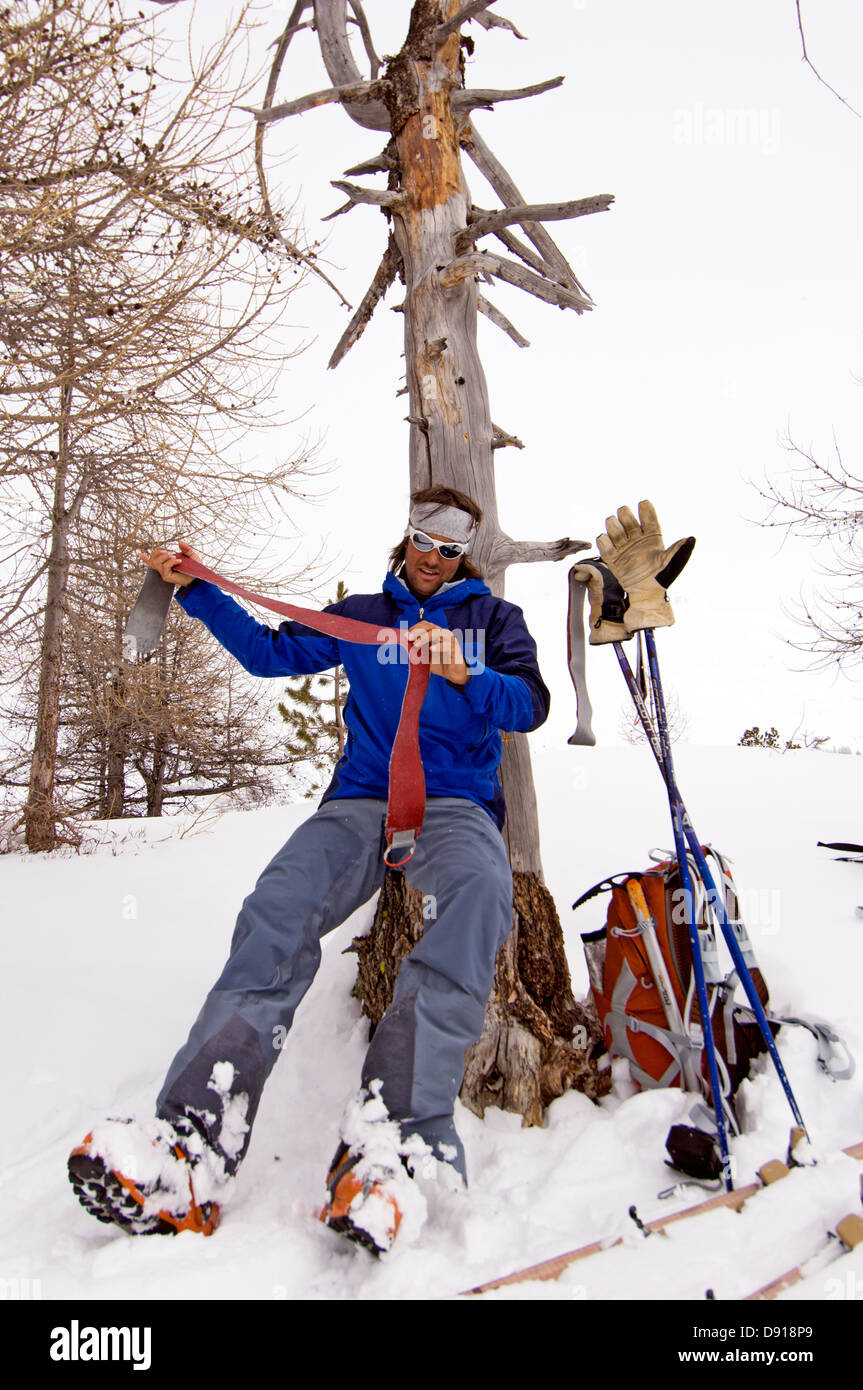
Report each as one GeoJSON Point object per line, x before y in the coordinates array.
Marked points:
{"type": "Point", "coordinates": [329, 867]}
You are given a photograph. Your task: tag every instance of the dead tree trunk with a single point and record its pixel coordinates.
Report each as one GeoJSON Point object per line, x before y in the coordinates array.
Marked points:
{"type": "Point", "coordinates": [537, 1041]}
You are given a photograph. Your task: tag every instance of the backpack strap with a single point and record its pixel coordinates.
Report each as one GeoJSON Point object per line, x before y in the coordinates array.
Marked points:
{"type": "Point", "coordinates": [834, 1057]}
{"type": "Point", "coordinates": [732, 909]}
{"type": "Point", "coordinates": [619, 1022]}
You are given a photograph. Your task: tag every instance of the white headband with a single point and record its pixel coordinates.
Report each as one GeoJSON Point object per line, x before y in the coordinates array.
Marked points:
{"type": "Point", "coordinates": [451, 522]}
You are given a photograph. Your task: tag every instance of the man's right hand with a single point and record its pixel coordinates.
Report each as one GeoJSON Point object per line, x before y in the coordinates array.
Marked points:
{"type": "Point", "coordinates": [165, 560]}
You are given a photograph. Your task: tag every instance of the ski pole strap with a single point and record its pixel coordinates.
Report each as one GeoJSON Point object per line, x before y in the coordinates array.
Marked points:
{"type": "Point", "coordinates": [407, 792]}
{"type": "Point", "coordinates": [575, 647]}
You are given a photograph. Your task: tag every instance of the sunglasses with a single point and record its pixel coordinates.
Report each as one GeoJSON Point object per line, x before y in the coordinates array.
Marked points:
{"type": "Point", "coordinates": [448, 550]}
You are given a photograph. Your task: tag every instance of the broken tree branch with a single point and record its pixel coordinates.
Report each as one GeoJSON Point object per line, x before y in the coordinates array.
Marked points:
{"type": "Point", "coordinates": [383, 278]}
{"type": "Point", "coordinates": [496, 21]}
{"type": "Point", "coordinates": [332, 26]}
{"type": "Point", "coordinates": [382, 163]}
{"type": "Point", "coordinates": [530, 257]}
{"type": "Point", "coordinates": [484, 263]}
{"type": "Point", "coordinates": [510, 552]}
{"type": "Point", "coordinates": [500, 439]}
{"type": "Point", "coordinates": [379, 197]}
{"type": "Point", "coordinates": [501, 321]}
{"type": "Point", "coordinates": [531, 212]}
{"type": "Point", "coordinates": [472, 97]}
{"type": "Point", "coordinates": [360, 16]}
{"type": "Point", "coordinates": [354, 91]}
{"type": "Point", "coordinates": [466, 12]}
{"type": "Point", "coordinates": [505, 188]}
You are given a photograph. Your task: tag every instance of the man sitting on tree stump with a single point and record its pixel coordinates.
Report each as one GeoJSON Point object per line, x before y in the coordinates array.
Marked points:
{"type": "Point", "coordinates": [174, 1173]}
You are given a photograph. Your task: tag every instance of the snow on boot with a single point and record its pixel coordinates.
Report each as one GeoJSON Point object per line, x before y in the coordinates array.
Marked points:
{"type": "Point", "coordinates": [371, 1193]}
{"type": "Point", "coordinates": [149, 1179]}
{"type": "Point", "coordinates": [364, 1209]}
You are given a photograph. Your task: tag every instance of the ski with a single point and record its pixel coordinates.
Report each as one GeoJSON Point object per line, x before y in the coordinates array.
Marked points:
{"type": "Point", "coordinates": [845, 1237]}
{"type": "Point", "coordinates": [769, 1173]}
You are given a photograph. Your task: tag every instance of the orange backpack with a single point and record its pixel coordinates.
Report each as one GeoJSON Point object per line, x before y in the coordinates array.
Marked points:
{"type": "Point", "coordinates": [662, 1040]}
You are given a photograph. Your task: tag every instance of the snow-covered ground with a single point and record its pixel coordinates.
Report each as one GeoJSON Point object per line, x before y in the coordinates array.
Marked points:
{"type": "Point", "coordinates": [107, 956]}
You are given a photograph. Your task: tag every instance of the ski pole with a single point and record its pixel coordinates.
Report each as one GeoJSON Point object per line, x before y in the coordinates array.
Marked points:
{"type": "Point", "coordinates": [681, 827]}
{"type": "Point", "coordinates": [698, 855]}
{"type": "Point", "coordinates": [678, 816]}
{"type": "Point", "coordinates": [647, 724]}
{"type": "Point", "coordinates": [716, 901]}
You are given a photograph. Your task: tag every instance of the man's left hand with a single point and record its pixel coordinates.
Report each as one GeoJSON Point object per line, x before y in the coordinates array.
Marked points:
{"type": "Point", "coordinates": [441, 650]}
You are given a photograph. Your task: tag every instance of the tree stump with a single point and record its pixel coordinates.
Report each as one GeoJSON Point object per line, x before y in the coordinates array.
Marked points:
{"type": "Point", "coordinates": [537, 1040]}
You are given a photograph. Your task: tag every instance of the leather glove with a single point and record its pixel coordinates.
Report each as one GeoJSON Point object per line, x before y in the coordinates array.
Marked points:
{"type": "Point", "coordinates": [607, 603]}
{"type": "Point", "coordinates": [634, 551]}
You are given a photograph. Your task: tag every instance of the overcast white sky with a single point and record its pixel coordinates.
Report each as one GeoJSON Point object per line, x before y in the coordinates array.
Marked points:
{"type": "Point", "coordinates": [728, 312]}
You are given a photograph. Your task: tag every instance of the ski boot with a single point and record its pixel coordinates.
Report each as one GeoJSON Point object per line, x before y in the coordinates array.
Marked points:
{"type": "Point", "coordinates": [362, 1201]}
{"type": "Point", "coordinates": [143, 1178]}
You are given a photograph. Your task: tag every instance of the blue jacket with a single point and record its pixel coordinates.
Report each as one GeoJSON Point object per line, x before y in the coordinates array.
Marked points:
{"type": "Point", "coordinates": [460, 726]}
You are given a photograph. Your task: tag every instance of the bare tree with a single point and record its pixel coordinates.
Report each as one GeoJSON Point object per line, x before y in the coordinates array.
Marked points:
{"type": "Point", "coordinates": [139, 289]}
{"type": "Point", "coordinates": [186, 722]}
{"type": "Point", "coordinates": [631, 729]}
{"type": "Point", "coordinates": [823, 503]}
{"type": "Point", "coordinates": [437, 246]}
